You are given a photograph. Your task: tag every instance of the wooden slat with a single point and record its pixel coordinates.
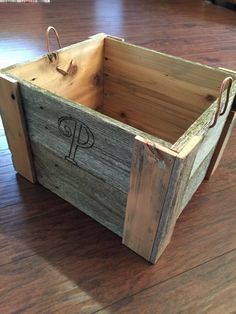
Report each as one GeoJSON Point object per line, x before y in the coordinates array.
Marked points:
{"type": "Point", "coordinates": [222, 142]}
{"type": "Point", "coordinates": [96, 180]}
{"type": "Point", "coordinates": [157, 71]}
{"type": "Point", "coordinates": [229, 71]}
{"type": "Point", "coordinates": [193, 171]}
{"type": "Point", "coordinates": [177, 188]}
{"type": "Point", "coordinates": [14, 124]}
{"type": "Point", "coordinates": [195, 180]}
{"type": "Point", "coordinates": [107, 159]}
{"type": "Point", "coordinates": [137, 81]}
{"type": "Point", "coordinates": [145, 110]}
{"type": "Point", "coordinates": [201, 125]}
{"type": "Point", "coordinates": [85, 86]}
{"type": "Point", "coordinates": [211, 137]}
{"type": "Point", "coordinates": [110, 156]}
{"type": "Point", "coordinates": [89, 193]}
{"type": "Point", "coordinates": [150, 174]}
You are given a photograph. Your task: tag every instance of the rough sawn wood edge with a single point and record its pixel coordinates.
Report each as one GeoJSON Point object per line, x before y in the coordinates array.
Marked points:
{"type": "Point", "coordinates": [157, 182]}
{"type": "Point", "coordinates": [151, 171]}
{"type": "Point", "coordinates": [15, 127]}
{"type": "Point", "coordinates": [176, 189]}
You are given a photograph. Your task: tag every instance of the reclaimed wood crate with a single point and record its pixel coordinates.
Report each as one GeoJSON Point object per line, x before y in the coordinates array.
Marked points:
{"type": "Point", "coordinates": [125, 134]}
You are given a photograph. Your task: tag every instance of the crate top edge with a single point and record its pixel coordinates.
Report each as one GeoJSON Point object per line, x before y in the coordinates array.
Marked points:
{"type": "Point", "coordinates": [127, 128]}
{"type": "Point", "coordinates": [102, 36]}
{"type": "Point", "coordinates": [136, 132]}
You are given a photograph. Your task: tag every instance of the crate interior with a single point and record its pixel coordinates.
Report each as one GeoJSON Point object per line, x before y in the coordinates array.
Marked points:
{"type": "Point", "coordinates": [150, 91]}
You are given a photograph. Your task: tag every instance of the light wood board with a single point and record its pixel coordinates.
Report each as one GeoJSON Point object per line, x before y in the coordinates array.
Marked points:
{"type": "Point", "coordinates": [14, 124]}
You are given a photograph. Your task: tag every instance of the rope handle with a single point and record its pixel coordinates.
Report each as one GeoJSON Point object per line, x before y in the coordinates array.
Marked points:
{"type": "Point", "coordinates": [53, 56]}
{"type": "Point", "coordinates": [226, 84]}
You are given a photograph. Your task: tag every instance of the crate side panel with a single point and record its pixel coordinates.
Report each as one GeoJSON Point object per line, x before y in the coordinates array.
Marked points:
{"type": "Point", "coordinates": [167, 74]}
{"type": "Point", "coordinates": [83, 84]}
{"type": "Point", "coordinates": [221, 144]}
{"type": "Point", "coordinates": [201, 125]}
{"type": "Point", "coordinates": [79, 135]}
{"type": "Point", "coordinates": [143, 109]}
{"type": "Point", "coordinates": [195, 180]}
{"type": "Point", "coordinates": [88, 193]}
{"type": "Point", "coordinates": [211, 138]}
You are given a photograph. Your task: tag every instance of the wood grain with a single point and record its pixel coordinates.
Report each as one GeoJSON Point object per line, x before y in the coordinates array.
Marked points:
{"type": "Point", "coordinates": [144, 110]}
{"type": "Point", "coordinates": [168, 97]}
{"type": "Point", "coordinates": [177, 189]}
{"type": "Point", "coordinates": [211, 138]}
{"type": "Point", "coordinates": [106, 159]}
{"type": "Point", "coordinates": [195, 180]}
{"type": "Point", "coordinates": [212, 290]}
{"type": "Point", "coordinates": [84, 85]}
{"type": "Point", "coordinates": [221, 144]}
{"type": "Point", "coordinates": [14, 123]}
{"type": "Point", "coordinates": [58, 260]}
{"type": "Point", "coordinates": [149, 180]}
{"type": "Point", "coordinates": [105, 165]}
{"type": "Point", "coordinates": [202, 124]}
{"type": "Point", "coordinates": [55, 122]}
{"type": "Point", "coordinates": [165, 72]}
{"type": "Point", "coordinates": [89, 193]}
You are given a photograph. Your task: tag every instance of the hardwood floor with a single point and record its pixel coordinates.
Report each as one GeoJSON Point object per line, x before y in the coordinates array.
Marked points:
{"type": "Point", "coordinates": [55, 259]}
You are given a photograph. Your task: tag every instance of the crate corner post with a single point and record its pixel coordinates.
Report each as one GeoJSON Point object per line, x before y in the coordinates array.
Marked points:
{"type": "Point", "coordinates": [14, 124]}
{"type": "Point", "coordinates": [178, 194]}
{"type": "Point", "coordinates": [149, 180]}
{"type": "Point", "coordinates": [158, 182]}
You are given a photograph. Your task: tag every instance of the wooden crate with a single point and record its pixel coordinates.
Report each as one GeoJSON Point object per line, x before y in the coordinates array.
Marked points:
{"type": "Point", "coordinates": [124, 133]}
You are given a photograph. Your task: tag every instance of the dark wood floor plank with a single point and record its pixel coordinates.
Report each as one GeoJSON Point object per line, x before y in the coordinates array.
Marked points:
{"type": "Point", "coordinates": [5, 158]}
{"type": "Point", "coordinates": [3, 144]}
{"type": "Point", "coordinates": [208, 288]}
{"type": "Point", "coordinates": [53, 258]}
{"type": "Point", "coordinates": [194, 29]}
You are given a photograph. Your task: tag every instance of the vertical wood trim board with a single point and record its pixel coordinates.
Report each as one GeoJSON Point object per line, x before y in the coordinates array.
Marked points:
{"type": "Point", "coordinates": [150, 174]}
{"type": "Point", "coordinates": [14, 124]}
{"type": "Point", "coordinates": [176, 190]}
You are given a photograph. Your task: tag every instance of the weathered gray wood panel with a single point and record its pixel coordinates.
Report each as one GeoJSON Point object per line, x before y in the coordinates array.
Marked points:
{"type": "Point", "coordinates": [195, 180]}
{"type": "Point", "coordinates": [107, 155]}
{"type": "Point", "coordinates": [211, 138]}
{"type": "Point", "coordinates": [221, 144]}
{"type": "Point", "coordinates": [201, 125]}
{"type": "Point", "coordinates": [91, 195]}
{"type": "Point", "coordinates": [94, 155]}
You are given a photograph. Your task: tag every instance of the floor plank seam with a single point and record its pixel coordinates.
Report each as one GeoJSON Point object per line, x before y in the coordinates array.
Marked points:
{"type": "Point", "coordinates": [163, 281]}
